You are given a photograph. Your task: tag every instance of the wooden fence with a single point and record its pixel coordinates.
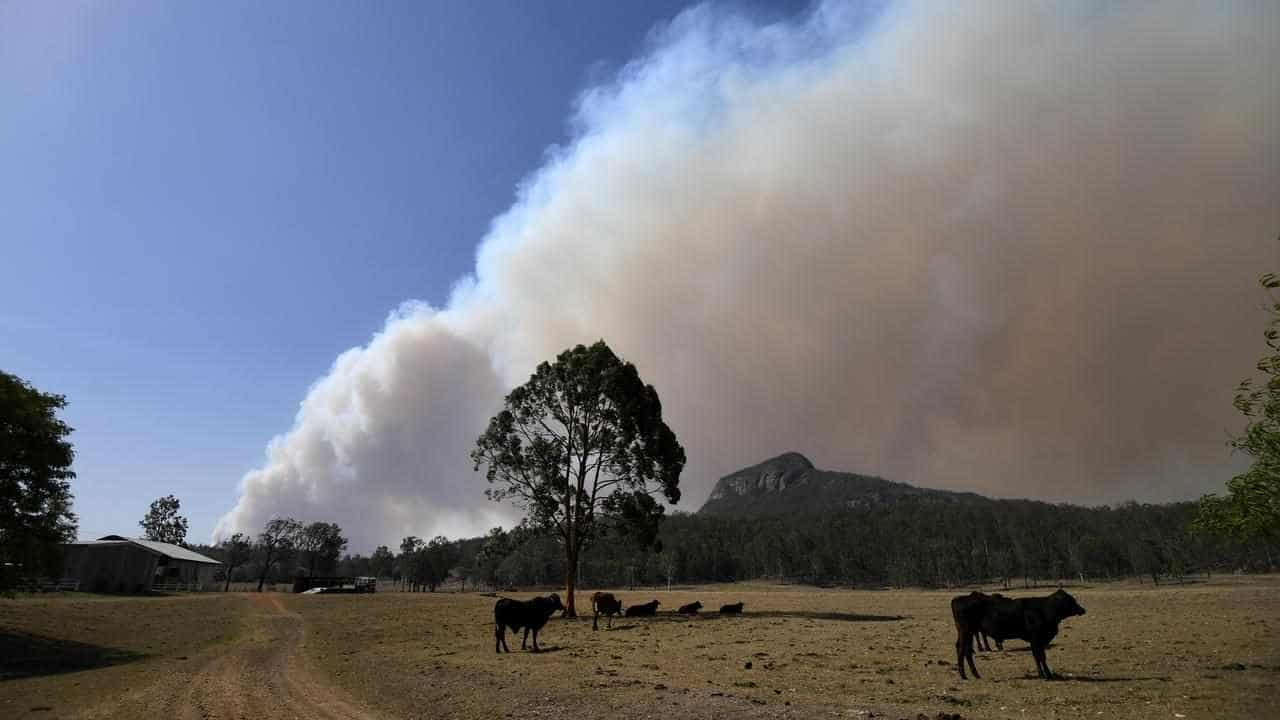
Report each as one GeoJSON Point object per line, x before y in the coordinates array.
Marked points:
{"type": "Point", "coordinates": [43, 585]}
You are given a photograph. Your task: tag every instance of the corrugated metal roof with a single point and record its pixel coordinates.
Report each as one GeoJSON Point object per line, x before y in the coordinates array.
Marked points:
{"type": "Point", "coordinates": [176, 552]}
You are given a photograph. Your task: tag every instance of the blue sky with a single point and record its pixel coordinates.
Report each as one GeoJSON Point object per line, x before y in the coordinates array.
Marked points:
{"type": "Point", "coordinates": [202, 204]}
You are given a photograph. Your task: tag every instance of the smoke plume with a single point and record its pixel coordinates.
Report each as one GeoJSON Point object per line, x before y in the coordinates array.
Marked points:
{"type": "Point", "coordinates": [1009, 248]}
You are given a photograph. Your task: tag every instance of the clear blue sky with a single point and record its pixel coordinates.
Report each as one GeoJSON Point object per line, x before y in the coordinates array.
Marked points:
{"type": "Point", "coordinates": [202, 204]}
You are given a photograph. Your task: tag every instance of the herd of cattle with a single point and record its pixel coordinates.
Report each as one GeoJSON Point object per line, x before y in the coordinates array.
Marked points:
{"type": "Point", "coordinates": [978, 617]}
{"type": "Point", "coordinates": [603, 603]}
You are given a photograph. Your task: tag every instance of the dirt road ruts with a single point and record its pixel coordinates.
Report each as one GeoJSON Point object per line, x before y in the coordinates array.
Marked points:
{"type": "Point", "coordinates": [261, 674]}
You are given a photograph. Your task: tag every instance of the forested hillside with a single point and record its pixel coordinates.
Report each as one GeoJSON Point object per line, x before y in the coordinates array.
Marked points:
{"type": "Point", "coordinates": [784, 520]}
{"type": "Point", "coordinates": [1016, 542]}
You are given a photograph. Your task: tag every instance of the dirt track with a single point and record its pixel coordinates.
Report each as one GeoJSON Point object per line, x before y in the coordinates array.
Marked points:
{"type": "Point", "coordinates": [260, 674]}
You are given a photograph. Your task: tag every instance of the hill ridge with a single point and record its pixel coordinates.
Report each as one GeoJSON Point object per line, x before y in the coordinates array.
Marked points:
{"type": "Point", "coordinates": [790, 482]}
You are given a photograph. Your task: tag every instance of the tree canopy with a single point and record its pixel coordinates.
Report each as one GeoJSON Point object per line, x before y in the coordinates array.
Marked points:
{"type": "Point", "coordinates": [236, 551]}
{"type": "Point", "coordinates": [35, 479]}
{"type": "Point", "coordinates": [163, 523]}
{"type": "Point", "coordinates": [582, 448]}
{"type": "Point", "coordinates": [322, 543]}
{"type": "Point", "coordinates": [1251, 507]}
{"type": "Point", "coordinates": [276, 543]}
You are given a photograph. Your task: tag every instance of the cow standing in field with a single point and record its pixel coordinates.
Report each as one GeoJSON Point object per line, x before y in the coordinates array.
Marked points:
{"type": "Point", "coordinates": [603, 603]}
{"type": "Point", "coordinates": [984, 639]}
{"type": "Point", "coordinates": [1035, 620]}
{"type": "Point", "coordinates": [960, 605]}
{"type": "Point", "coordinates": [643, 609]}
{"type": "Point", "coordinates": [517, 614]}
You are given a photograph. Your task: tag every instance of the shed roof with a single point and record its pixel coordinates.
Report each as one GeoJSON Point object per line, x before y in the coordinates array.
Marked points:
{"type": "Point", "coordinates": [176, 552]}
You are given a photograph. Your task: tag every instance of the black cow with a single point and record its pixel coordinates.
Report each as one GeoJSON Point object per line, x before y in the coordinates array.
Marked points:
{"type": "Point", "coordinates": [984, 640]}
{"type": "Point", "coordinates": [961, 604]}
{"type": "Point", "coordinates": [1032, 619]}
{"type": "Point", "coordinates": [690, 609]}
{"type": "Point", "coordinates": [603, 603]}
{"type": "Point", "coordinates": [643, 609]}
{"type": "Point", "coordinates": [734, 609]}
{"type": "Point", "coordinates": [516, 614]}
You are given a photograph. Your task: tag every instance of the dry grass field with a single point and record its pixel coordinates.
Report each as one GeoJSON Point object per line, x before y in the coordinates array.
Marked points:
{"type": "Point", "coordinates": [1193, 651]}
{"type": "Point", "coordinates": [64, 653]}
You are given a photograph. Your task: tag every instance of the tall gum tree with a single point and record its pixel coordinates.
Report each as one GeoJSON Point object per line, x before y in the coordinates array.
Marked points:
{"type": "Point", "coordinates": [583, 449]}
{"type": "Point", "coordinates": [1251, 508]}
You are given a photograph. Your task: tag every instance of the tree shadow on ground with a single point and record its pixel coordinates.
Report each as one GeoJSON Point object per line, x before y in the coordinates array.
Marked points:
{"type": "Point", "coordinates": [25, 655]}
{"type": "Point", "coordinates": [841, 616]}
{"type": "Point", "coordinates": [1029, 677]}
{"type": "Point", "coordinates": [634, 622]}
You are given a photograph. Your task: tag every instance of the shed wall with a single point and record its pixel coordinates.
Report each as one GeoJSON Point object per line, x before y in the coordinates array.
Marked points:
{"type": "Point", "coordinates": [110, 568]}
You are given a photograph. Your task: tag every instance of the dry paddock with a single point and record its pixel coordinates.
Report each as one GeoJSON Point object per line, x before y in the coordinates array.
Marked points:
{"type": "Point", "coordinates": [1194, 651]}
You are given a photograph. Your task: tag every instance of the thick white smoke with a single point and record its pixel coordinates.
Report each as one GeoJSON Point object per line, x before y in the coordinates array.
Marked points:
{"type": "Point", "coordinates": [1009, 249]}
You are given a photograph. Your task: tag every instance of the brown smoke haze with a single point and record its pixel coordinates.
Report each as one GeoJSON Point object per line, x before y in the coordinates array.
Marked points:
{"type": "Point", "coordinates": [1009, 249]}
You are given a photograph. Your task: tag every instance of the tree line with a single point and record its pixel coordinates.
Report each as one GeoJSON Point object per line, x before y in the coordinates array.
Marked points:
{"type": "Point", "coordinates": [1016, 543]}
{"type": "Point", "coordinates": [285, 549]}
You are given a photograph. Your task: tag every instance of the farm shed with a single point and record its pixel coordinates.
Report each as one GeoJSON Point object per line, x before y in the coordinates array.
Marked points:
{"type": "Point", "coordinates": [119, 564]}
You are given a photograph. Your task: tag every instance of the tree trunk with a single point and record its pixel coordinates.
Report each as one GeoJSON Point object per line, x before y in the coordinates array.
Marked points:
{"type": "Point", "coordinates": [570, 576]}
{"type": "Point", "coordinates": [227, 587]}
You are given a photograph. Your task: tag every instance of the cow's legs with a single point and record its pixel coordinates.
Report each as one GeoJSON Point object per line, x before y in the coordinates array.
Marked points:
{"type": "Point", "coordinates": [500, 638]}
{"type": "Point", "coordinates": [964, 651]}
{"type": "Point", "coordinates": [525, 639]}
{"type": "Point", "coordinates": [1042, 664]}
{"type": "Point", "coordinates": [973, 668]}
{"type": "Point", "coordinates": [535, 641]}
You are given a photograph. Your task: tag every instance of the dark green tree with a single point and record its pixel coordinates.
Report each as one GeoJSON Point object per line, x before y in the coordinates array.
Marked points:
{"type": "Point", "coordinates": [439, 557]}
{"type": "Point", "coordinates": [412, 561]}
{"type": "Point", "coordinates": [494, 549]}
{"type": "Point", "coordinates": [235, 551]}
{"type": "Point", "coordinates": [163, 523]}
{"type": "Point", "coordinates": [382, 563]}
{"type": "Point", "coordinates": [276, 543]}
{"type": "Point", "coordinates": [1251, 508]}
{"type": "Point", "coordinates": [35, 481]}
{"type": "Point", "coordinates": [321, 544]}
{"type": "Point", "coordinates": [582, 447]}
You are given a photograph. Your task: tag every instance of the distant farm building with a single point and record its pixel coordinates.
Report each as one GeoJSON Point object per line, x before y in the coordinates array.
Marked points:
{"type": "Point", "coordinates": [119, 564]}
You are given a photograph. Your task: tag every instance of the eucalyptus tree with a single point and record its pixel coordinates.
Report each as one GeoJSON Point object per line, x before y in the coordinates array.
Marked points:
{"type": "Point", "coordinates": [1251, 508]}
{"type": "Point", "coordinates": [277, 542]}
{"type": "Point", "coordinates": [583, 449]}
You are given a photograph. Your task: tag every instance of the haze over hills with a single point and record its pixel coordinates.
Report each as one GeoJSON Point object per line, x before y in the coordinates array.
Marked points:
{"type": "Point", "coordinates": [790, 483]}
